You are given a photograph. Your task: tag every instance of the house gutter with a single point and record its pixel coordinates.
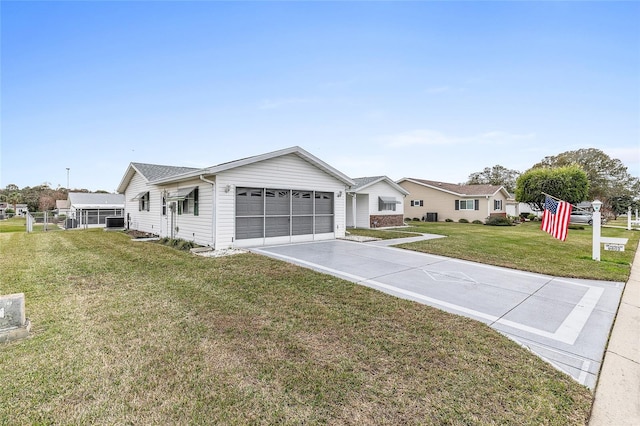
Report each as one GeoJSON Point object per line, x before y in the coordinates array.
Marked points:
{"type": "Point", "coordinates": [213, 210]}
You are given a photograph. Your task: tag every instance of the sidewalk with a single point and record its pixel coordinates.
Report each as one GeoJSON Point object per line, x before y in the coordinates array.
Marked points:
{"type": "Point", "coordinates": [617, 397]}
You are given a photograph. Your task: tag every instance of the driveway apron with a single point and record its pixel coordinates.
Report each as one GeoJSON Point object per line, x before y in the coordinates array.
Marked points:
{"type": "Point", "coordinates": [564, 321]}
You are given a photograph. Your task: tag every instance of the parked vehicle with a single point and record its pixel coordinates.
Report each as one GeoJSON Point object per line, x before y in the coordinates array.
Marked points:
{"type": "Point", "coordinates": [578, 216]}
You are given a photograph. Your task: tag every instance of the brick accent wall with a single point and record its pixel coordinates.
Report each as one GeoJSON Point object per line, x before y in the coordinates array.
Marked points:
{"type": "Point", "coordinates": [381, 221]}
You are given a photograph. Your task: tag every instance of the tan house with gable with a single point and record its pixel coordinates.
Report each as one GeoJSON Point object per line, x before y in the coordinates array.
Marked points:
{"type": "Point", "coordinates": [434, 201]}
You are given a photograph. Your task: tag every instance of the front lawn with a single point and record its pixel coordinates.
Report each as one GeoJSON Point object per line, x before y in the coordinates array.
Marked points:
{"type": "Point", "coordinates": [138, 333]}
{"type": "Point", "coordinates": [527, 248]}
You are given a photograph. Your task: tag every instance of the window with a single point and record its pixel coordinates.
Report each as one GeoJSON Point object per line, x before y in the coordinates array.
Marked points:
{"type": "Point", "coordinates": [467, 204]}
{"type": "Point", "coordinates": [417, 203]}
{"type": "Point", "coordinates": [189, 205]}
{"type": "Point", "coordinates": [387, 204]}
{"type": "Point", "coordinates": [497, 204]}
{"type": "Point", "coordinates": [143, 202]}
{"type": "Point", "coordinates": [164, 204]}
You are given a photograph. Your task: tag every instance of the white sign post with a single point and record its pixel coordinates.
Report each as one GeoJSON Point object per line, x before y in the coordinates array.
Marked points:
{"type": "Point", "coordinates": [596, 204]}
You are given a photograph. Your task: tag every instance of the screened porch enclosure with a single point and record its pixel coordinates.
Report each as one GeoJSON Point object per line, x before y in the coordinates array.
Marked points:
{"type": "Point", "coordinates": [94, 216]}
{"type": "Point", "coordinates": [267, 213]}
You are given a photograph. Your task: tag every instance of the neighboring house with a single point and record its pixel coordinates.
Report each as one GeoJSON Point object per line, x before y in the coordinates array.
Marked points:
{"type": "Point", "coordinates": [438, 201]}
{"type": "Point", "coordinates": [90, 210]}
{"type": "Point", "coordinates": [62, 207]}
{"type": "Point", "coordinates": [21, 209]}
{"type": "Point", "coordinates": [375, 202]}
{"type": "Point", "coordinates": [278, 197]}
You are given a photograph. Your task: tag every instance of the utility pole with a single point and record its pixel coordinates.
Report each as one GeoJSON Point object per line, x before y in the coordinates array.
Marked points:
{"type": "Point", "coordinates": [67, 180]}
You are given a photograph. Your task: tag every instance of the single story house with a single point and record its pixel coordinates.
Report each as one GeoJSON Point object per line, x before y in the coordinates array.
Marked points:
{"type": "Point", "coordinates": [375, 202]}
{"type": "Point", "coordinates": [62, 207]}
{"type": "Point", "coordinates": [438, 201]}
{"type": "Point", "coordinates": [90, 210]}
{"type": "Point", "coordinates": [21, 209]}
{"type": "Point", "coordinates": [274, 198]}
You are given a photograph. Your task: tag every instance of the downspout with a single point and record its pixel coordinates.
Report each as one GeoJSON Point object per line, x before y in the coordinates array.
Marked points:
{"type": "Point", "coordinates": [213, 210]}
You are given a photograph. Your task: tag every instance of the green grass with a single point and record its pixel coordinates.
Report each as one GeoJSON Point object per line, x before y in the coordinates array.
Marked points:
{"type": "Point", "coordinates": [527, 248]}
{"type": "Point", "coordinates": [136, 333]}
{"type": "Point", "coordinates": [19, 224]}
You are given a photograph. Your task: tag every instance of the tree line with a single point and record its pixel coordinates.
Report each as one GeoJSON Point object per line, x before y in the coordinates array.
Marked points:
{"type": "Point", "coordinates": [573, 176]}
{"type": "Point", "coordinates": [37, 198]}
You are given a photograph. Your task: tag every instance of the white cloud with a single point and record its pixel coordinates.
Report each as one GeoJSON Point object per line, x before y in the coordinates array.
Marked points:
{"type": "Point", "coordinates": [440, 89]}
{"type": "Point", "coordinates": [278, 103]}
{"type": "Point", "coordinates": [417, 137]}
{"type": "Point", "coordinates": [433, 137]}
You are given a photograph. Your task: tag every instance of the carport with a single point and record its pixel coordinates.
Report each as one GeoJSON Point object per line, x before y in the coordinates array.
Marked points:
{"type": "Point", "coordinates": [564, 321]}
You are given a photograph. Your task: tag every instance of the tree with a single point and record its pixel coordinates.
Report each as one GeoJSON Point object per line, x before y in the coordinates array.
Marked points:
{"type": "Point", "coordinates": [567, 183]}
{"type": "Point", "coordinates": [496, 175]}
{"type": "Point", "coordinates": [608, 178]}
{"type": "Point", "coordinates": [14, 198]}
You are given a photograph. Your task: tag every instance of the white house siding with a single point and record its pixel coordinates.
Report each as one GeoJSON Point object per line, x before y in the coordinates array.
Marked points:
{"type": "Point", "coordinates": [443, 203]}
{"type": "Point", "coordinates": [362, 210]}
{"type": "Point", "coordinates": [145, 221]}
{"type": "Point", "coordinates": [285, 172]}
{"type": "Point", "coordinates": [198, 229]}
{"type": "Point", "coordinates": [383, 189]}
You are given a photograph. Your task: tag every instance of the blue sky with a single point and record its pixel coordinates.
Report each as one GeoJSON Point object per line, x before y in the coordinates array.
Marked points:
{"type": "Point", "coordinates": [433, 90]}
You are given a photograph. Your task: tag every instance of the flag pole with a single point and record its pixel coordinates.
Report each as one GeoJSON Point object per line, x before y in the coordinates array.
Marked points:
{"type": "Point", "coordinates": [558, 199]}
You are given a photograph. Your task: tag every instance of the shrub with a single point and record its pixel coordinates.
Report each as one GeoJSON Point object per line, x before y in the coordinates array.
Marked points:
{"type": "Point", "coordinates": [463, 220]}
{"type": "Point", "coordinates": [498, 221]}
{"type": "Point", "coordinates": [532, 216]}
{"type": "Point", "coordinates": [448, 220]}
{"type": "Point", "coordinates": [416, 219]}
{"type": "Point", "coordinates": [478, 222]}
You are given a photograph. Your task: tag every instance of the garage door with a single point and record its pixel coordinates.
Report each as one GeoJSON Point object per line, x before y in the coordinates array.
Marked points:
{"type": "Point", "coordinates": [268, 213]}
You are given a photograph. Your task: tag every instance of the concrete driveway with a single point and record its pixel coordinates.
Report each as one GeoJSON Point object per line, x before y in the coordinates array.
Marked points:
{"type": "Point", "coordinates": [564, 321]}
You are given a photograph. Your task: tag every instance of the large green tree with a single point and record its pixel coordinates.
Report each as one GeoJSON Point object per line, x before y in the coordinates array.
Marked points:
{"type": "Point", "coordinates": [609, 179]}
{"type": "Point", "coordinates": [568, 183]}
{"type": "Point", "coordinates": [496, 175]}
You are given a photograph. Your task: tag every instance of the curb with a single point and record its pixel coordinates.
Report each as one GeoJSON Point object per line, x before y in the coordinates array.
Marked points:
{"type": "Point", "coordinates": [617, 394]}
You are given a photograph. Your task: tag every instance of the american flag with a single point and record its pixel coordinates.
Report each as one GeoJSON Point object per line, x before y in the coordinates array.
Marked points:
{"type": "Point", "coordinates": [555, 218]}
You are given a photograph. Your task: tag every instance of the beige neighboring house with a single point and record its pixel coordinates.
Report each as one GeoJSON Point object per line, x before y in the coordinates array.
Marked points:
{"type": "Point", "coordinates": [434, 201]}
{"type": "Point", "coordinates": [62, 207]}
{"type": "Point", "coordinates": [375, 202]}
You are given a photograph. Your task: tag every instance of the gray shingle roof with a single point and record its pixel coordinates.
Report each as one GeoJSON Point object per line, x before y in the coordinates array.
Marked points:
{"type": "Point", "coordinates": [461, 189]}
{"type": "Point", "coordinates": [153, 172]}
{"type": "Point", "coordinates": [362, 181]}
{"type": "Point", "coordinates": [86, 198]}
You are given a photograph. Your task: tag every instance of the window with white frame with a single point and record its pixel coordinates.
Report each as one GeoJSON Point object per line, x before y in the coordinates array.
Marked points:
{"type": "Point", "coordinates": [417, 203]}
{"type": "Point", "coordinates": [189, 205]}
{"type": "Point", "coordinates": [143, 202]}
{"type": "Point", "coordinates": [497, 204]}
{"type": "Point", "coordinates": [387, 204]}
{"type": "Point", "coordinates": [467, 204]}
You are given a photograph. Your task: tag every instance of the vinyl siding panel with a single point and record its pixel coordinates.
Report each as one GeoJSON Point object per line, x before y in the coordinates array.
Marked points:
{"type": "Point", "coordinates": [286, 172]}
{"type": "Point", "coordinates": [383, 189]}
{"type": "Point", "coordinates": [145, 221]}
{"type": "Point", "coordinates": [198, 229]}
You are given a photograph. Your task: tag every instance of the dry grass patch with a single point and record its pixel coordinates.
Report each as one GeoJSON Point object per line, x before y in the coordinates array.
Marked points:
{"type": "Point", "coordinates": [139, 333]}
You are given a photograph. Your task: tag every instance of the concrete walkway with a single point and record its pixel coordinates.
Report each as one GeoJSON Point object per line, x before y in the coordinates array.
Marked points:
{"type": "Point", "coordinates": [617, 398]}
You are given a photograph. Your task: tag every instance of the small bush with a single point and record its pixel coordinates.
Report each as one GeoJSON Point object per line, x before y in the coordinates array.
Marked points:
{"type": "Point", "coordinates": [416, 219]}
{"type": "Point", "coordinates": [532, 216]}
{"type": "Point", "coordinates": [478, 222]}
{"type": "Point", "coordinates": [463, 220]}
{"type": "Point", "coordinates": [448, 220]}
{"type": "Point", "coordinates": [498, 221]}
